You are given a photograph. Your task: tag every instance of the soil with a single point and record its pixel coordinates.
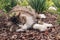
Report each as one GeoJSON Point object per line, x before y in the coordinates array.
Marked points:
{"type": "Point", "coordinates": [7, 31]}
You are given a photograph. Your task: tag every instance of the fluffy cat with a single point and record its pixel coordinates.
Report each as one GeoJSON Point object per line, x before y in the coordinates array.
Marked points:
{"type": "Point", "coordinates": [25, 17]}
{"type": "Point", "coordinates": [27, 20]}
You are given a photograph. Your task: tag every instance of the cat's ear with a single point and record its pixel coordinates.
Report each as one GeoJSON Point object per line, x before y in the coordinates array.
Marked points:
{"type": "Point", "coordinates": [24, 20]}
{"type": "Point", "coordinates": [18, 14]}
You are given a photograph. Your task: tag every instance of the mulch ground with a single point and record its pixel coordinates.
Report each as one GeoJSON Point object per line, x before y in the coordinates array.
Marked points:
{"type": "Point", "coordinates": [6, 33]}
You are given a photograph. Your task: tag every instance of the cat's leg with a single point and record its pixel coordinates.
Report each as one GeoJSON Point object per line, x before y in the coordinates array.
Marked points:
{"type": "Point", "coordinates": [23, 28]}
{"type": "Point", "coordinates": [19, 30]}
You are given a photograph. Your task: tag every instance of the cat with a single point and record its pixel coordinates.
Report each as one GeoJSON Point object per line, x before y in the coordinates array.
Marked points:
{"type": "Point", "coordinates": [25, 17]}
{"type": "Point", "coordinates": [26, 21]}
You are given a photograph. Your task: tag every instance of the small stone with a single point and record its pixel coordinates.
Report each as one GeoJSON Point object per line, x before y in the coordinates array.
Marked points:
{"type": "Point", "coordinates": [14, 36]}
{"type": "Point", "coordinates": [53, 30]}
{"type": "Point", "coordinates": [23, 37]}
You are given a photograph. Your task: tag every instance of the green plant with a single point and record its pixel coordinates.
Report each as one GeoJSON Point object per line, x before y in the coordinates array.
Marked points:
{"type": "Point", "coordinates": [49, 3]}
{"type": "Point", "coordinates": [6, 5]}
{"type": "Point", "coordinates": [38, 5]}
{"type": "Point", "coordinates": [58, 20]}
{"type": "Point", "coordinates": [57, 4]}
{"type": "Point", "coordinates": [0, 15]}
{"type": "Point", "coordinates": [22, 2]}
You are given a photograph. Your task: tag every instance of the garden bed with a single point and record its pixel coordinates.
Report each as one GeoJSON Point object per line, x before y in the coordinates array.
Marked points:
{"type": "Point", "coordinates": [50, 34]}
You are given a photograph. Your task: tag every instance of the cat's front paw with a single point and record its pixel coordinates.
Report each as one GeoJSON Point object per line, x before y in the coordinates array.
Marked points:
{"type": "Point", "coordinates": [18, 30]}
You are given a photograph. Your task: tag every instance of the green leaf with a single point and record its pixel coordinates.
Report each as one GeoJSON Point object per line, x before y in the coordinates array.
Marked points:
{"type": "Point", "coordinates": [38, 5]}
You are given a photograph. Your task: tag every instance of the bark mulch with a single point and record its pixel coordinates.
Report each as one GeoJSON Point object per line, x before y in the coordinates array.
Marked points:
{"type": "Point", "coordinates": [7, 31]}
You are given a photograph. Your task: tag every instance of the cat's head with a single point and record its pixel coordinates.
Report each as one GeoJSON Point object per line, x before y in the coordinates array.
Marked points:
{"type": "Point", "coordinates": [18, 19]}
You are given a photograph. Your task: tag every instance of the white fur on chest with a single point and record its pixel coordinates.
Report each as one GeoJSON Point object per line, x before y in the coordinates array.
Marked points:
{"type": "Point", "coordinates": [29, 19]}
{"type": "Point", "coordinates": [28, 24]}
